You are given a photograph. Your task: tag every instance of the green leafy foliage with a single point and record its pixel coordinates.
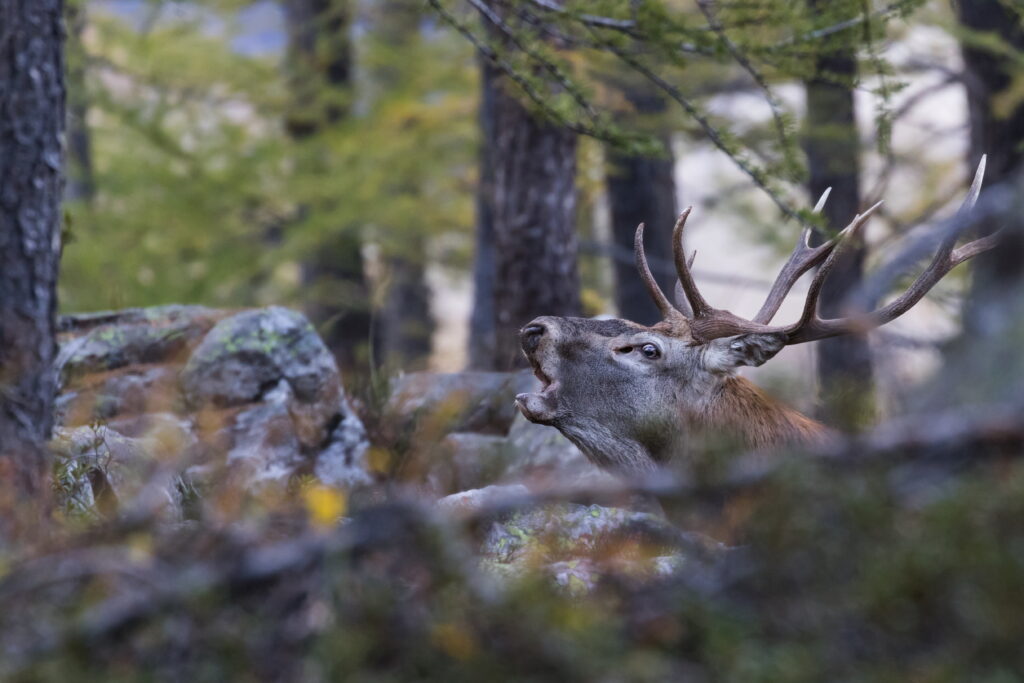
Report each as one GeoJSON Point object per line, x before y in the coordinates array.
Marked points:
{"type": "Point", "coordinates": [200, 188]}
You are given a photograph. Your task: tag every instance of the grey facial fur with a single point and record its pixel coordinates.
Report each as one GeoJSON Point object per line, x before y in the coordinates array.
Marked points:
{"type": "Point", "coordinates": [627, 411]}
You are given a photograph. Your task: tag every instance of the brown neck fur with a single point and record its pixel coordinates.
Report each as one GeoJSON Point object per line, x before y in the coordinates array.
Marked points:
{"type": "Point", "coordinates": [742, 408]}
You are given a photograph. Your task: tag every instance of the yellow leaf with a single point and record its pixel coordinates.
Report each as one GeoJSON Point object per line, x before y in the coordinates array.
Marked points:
{"type": "Point", "coordinates": [325, 504]}
{"type": "Point", "coordinates": [379, 459]}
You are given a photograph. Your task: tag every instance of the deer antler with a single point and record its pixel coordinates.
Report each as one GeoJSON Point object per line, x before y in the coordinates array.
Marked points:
{"type": "Point", "coordinates": [803, 258]}
{"type": "Point", "coordinates": [811, 328]}
{"type": "Point", "coordinates": [707, 323]}
{"type": "Point", "coordinates": [668, 311]}
{"type": "Point", "coordinates": [698, 304]}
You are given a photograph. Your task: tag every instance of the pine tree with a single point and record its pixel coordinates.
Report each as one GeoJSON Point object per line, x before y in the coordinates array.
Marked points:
{"type": "Point", "coordinates": [533, 203]}
{"type": "Point", "coordinates": [320, 75]}
{"type": "Point", "coordinates": [996, 117]}
{"type": "Point", "coordinates": [833, 151]}
{"type": "Point", "coordinates": [641, 189]}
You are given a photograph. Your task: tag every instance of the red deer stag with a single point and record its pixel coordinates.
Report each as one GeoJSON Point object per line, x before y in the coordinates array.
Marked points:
{"type": "Point", "coordinates": [630, 396]}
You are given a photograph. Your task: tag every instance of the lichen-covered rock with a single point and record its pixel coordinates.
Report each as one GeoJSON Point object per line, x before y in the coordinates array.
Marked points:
{"type": "Point", "coordinates": [258, 391]}
{"type": "Point", "coordinates": [467, 461]}
{"type": "Point", "coordinates": [248, 353]}
{"type": "Point", "coordinates": [275, 356]}
{"type": "Point", "coordinates": [343, 462]}
{"type": "Point", "coordinates": [475, 501]}
{"type": "Point", "coordinates": [265, 446]}
{"type": "Point", "coordinates": [576, 545]}
{"type": "Point", "coordinates": [101, 471]}
{"type": "Point", "coordinates": [543, 454]}
{"type": "Point", "coordinates": [565, 530]}
{"type": "Point", "coordinates": [127, 391]}
{"type": "Point", "coordinates": [533, 454]}
{"type": "Point", "coordinates": [436, 404]}
{"type": "Point", "coordinates": [461, 431]}
{"type": "Point", "coordinates": [110, 340]}
{"type": "Point", "coordinates": [584, 575]}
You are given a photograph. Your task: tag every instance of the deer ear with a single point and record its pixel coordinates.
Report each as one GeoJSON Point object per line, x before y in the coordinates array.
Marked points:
{"type": "Point", "coordinates": [728, 353]}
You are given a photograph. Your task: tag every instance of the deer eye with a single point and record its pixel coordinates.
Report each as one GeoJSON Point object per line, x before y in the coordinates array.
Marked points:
{"type": "Point", "coordinates": [650, 351]}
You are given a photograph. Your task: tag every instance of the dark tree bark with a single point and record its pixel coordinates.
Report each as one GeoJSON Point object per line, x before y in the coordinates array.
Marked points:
{"type": "Point", "coordinates": [405, 325]}
{"type": "Point", "coordinates": [1000, 135]}
{"type": "Point", "coordinates": [533, 199]}
{"type": "Point", "coordinates": [32, 110]}
{"type": "Point", "coordinates": [832, 147]}
{"type": "Point", "coordinates": [482, 323]}
{"type": "Point", "coordinates": [320, 78]}
{"type": "Point", "coordinates": [642, 189]}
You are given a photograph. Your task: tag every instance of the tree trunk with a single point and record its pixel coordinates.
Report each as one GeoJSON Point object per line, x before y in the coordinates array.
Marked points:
{"type": "Point", "coordinates": [533, 198]}
{"type": "Point", "coordinates": [32, 110]}
{"type": "Point", "coordinates": [642, 189]}
{"type": "Point", "coordinates": [405, 325]}
{"type": "Point", "coordinates": [998, 134]}
{"type": "Point", "coordinates": [320, 69]}
{"type": "Point", "coordinates": [482, 323]}
{"type": "Point", "coordinates": [832, 147]}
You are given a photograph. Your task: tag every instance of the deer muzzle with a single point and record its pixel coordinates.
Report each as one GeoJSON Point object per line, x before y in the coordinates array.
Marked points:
{"type": "Point", "coordinates": [540, 406]}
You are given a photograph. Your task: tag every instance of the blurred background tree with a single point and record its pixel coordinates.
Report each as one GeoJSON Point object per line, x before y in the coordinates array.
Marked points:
{"type": "Point", "coordinates": [832, 144]}
{"type": "Point", "coordinates": [320, 73]}
{"type": "Point", "coordinates": [992, 38]}
{"type": "Point", "coordinates": [254, 152]}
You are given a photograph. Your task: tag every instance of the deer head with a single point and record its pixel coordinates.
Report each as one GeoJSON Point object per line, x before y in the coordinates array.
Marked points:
{"type": "Point", "coordinates": [630, 396]}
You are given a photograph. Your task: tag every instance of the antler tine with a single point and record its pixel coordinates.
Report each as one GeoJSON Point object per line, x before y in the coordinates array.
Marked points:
{"type": "Point", "coordinates": [975, 191]}
{"type": "Point", "coordinates": [809, 318]}
{"type": "Point", "coordinates": [698, 304]}
{"type": "Point", "coordinates": [969, 201]}
{"type": "Point", "coordinates": [660, 300]}
{"type": "Point", "coordinates": [803, 258]}
{"type": "Point", "coordinates": [679, 296]}
{"type": "Point", "coordinates": [821, 201]}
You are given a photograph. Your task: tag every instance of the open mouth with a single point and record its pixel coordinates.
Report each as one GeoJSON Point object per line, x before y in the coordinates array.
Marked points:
{"type": "Point", "coordinates": [545, 381]}
{"type": "Point", "coordinates": [540, 406]}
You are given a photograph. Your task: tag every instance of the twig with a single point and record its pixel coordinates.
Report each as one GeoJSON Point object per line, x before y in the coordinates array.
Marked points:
{"type": "Point", "coordinates": [625, 256]}
{"type": "Point", "coordinates": [756, 175]}
{"type": "Point", "coordinates": [778, 114]}
{"type": "Point", "coordinates": [520, 80]}
{"type": "Point", "coordinates": [548, 65]}
{"type": "Point", "coordinates": [941, 438]}
{"type": "Point", "coordinates": [909, 104]}
{"type": "Point", "coordinates": [827, 31]}
{"type": "Point", "coordinates": [625, 25]}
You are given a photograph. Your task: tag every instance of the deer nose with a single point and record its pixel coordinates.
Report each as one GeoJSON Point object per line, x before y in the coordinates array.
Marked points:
{"type": "Point", "coordinates": [530, 336]}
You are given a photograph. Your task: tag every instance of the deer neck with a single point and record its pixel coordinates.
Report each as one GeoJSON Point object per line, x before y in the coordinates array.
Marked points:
{"type": "Point", "coordinates": [740, 407]}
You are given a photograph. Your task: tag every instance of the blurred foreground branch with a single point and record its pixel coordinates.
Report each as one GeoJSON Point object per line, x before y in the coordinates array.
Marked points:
{"type": "Point", "coordinates": [955, 437]}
